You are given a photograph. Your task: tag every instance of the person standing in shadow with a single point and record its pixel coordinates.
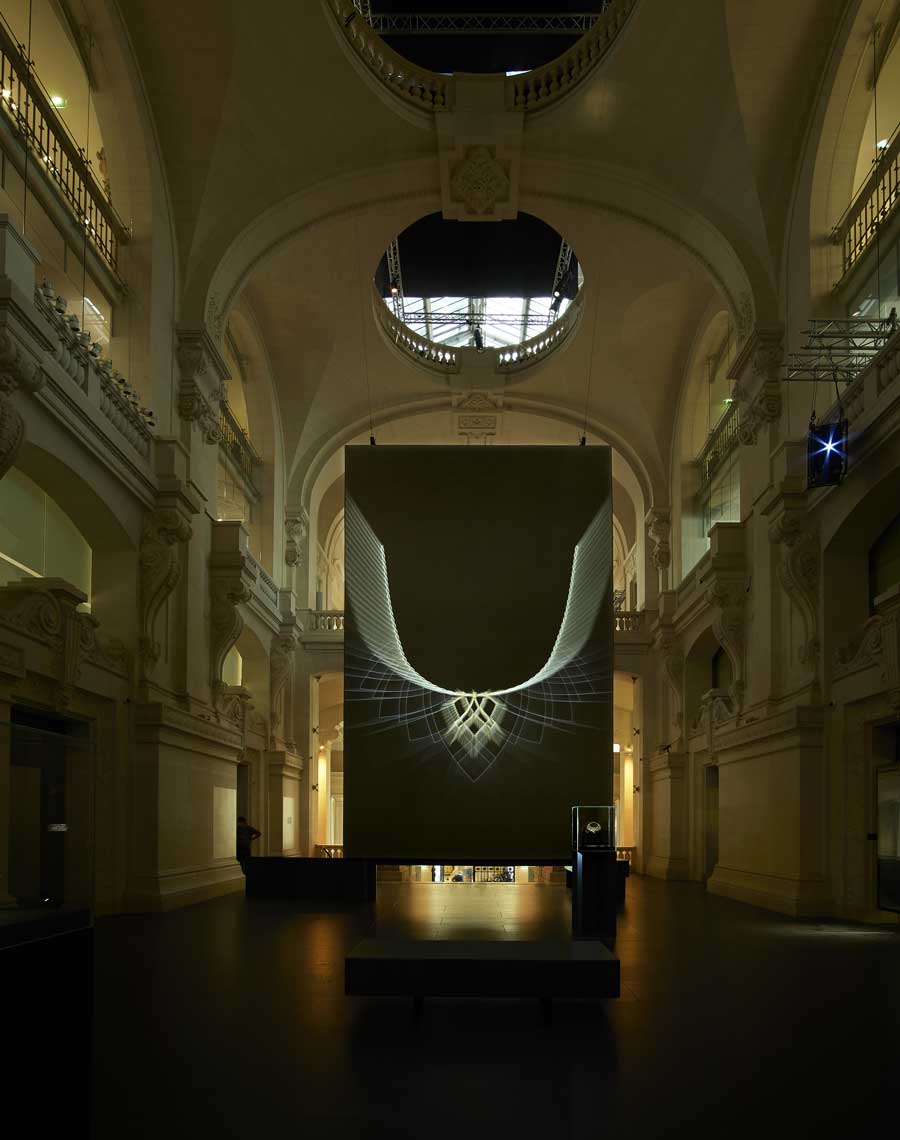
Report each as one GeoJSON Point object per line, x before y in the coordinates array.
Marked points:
{"type": "Point", "coordinates": [245, 836]}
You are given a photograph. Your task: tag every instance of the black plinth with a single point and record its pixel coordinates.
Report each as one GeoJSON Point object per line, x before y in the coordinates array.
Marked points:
{"type": "Point", "coordinates": [293, 877]}
{"type": "Point", "coordinates": [382, 967]}
{"type": "Point", "coordinates": [595, 894]}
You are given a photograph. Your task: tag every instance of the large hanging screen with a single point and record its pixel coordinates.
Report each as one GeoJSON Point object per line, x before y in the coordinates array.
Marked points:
{"type": "Point", "coordinates": [478, 650]}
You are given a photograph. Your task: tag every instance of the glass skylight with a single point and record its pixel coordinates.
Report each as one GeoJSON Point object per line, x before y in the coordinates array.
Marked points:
{"type": "Point", "coordinates": [503, 321]}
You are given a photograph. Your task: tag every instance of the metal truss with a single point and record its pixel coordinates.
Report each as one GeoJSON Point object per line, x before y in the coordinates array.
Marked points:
{"type": "Point", "coordinates": [480, 23]}
{"type": "Point", "coordinates": [395, 276]}
{"type": "Point", "coordinates": [472, 315]}
{"type": "Point", "coordinates": [840, 349]}
{"type": "Point", "coordinates": [563, 262]}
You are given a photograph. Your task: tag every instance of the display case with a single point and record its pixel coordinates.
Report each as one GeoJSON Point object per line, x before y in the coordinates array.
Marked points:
{"type": "Point", "coordinates": [593, 828]}
{"type": "Point", "coordinates": [46, 887]}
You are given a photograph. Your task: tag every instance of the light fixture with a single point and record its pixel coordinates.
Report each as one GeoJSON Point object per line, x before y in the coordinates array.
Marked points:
{"type": "Point", "coordinates": [882, 144]}
{"type": "Point", "coordinates": [826, 453]}
{"type": "Point", "coordinates": [59, 101]}
{"type": "Point", "coordinates": [617, 748]}
{"type": "Point", "coordinates": [395, 288]}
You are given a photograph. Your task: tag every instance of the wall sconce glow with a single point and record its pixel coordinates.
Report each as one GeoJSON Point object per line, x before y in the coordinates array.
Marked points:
{"type": "Point", "coordinates": [59, 101]}
{"type": "Point", "coordinates": [728, 400]}
{"type": "Point", "coordinates": [617, 748]}
{"type": "Point", "coordinates": [882, 144]}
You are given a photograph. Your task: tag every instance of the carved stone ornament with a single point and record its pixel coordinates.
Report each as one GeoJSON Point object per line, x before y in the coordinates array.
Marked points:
{"type": "Point", "coordinates": [227, 592]}
{"type": "Point", "coordinates": [160, 569]}
{"type": "Point", "coordinates": [764, 408]}
{"type": "Point", "coordinates": [745, 318]}
{"type": "Point", "coordinates": [18, 369]}
{"type": "Point", "coordinates": [860, 652]}
{"type": "Point", "coordinates": [200, 393]}
{"type": "Point", "coordinates": [659, 527]}
{"type": "Point", "coordinates": [726, 595]}
{"type": "Point", "coordinates": [798, 573]}
{"type": "Point", "coordinates": [281, 665]}
{"type": "Point", "coordinates": [480, 180]}
{"type": "Point", "coordinates": [46, 610]}
{"type": "Point", "coordinates": [296, 530]}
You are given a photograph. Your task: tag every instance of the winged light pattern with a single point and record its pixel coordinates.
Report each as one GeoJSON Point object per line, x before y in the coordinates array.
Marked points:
{"type": "Point", "coordinates": [474, 727]}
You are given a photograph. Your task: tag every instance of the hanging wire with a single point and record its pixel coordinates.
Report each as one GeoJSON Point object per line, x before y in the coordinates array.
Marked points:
{"type": "Point", "coordinates": [87, 159]}
{"type": "Point", "coordinates": [587, 395]}
{"type": "Point", "coordinates": [362, 317]}
{"type": "Point", "coordinates": [25, 131]}
{"type": "Point", "coordinates": [875, 34]}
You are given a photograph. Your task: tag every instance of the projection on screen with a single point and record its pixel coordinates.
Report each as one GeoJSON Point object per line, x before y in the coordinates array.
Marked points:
{"type": "Point", "coordinates": [478, 650]}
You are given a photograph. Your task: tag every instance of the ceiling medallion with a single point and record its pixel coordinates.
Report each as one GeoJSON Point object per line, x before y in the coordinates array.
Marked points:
{"type": "Point", "coordinates": [480, 181]}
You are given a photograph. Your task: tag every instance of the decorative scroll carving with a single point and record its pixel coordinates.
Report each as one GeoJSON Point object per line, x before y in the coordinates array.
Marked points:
{"type": "Point", "coordinates": [235, 704]}
{"type": "Point", "coordinates": [480, 180]}
{"type": "Point", "coordinates": [281, 666]}
{"type": "Point", "coordinates": [160, 569]}
{"type": "Point", "coordinates": [659, 526]}
{"type": "Point", "coordinates": [859, 652]}
{"type": "Point", "coordinates": [717, 707]}
{"type": "Point", "coordinates": [798, 573]}
{"type": "Point", "coordinates": [202, 383]}
{"type": "Point", "coordinates": [764, 408]}
{"type": "Point", "coordinates": [296, 529]}
{"type": "Point", "coordinates": [46, 610]}
{"type": "Point", "coordinates": [227, 592]}
{"type": "Point", "coordinates": [18, 369]}
{"type": "Point", "coordinates": [726, 595]}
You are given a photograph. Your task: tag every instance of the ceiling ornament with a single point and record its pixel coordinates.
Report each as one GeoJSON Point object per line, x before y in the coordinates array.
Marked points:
{"type": "Point", "coordinates": [480, 181]}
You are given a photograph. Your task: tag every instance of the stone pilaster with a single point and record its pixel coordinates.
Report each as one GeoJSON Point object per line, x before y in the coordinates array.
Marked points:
{"type": "Point", "coordinates": [201, 388]}
{"type": "Point", "coordinates": [725, 588]}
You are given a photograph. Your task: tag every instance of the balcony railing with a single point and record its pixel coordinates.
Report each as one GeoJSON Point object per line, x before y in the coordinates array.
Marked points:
{"type": "Point", "coordinates": [27, 107]}
{"type": "Point", "coordinates": [538, 347]}
{"type": "Point", "coordinates": [236, 443]}
{"type": "Point", "coordinates": [721, 443]}
{"type": "Point", "coordinates": [629, 621]}
{"type": "Point", "coordinates": [871, 206]}
{"type": "Point", "coordinates": [431, 91]}
{"type": "Point", "coordinates": [446, 361]}
{"type": "Point", "coordinates": [79, 357]}
{"type": "Point", "coordinates": [542, 87]}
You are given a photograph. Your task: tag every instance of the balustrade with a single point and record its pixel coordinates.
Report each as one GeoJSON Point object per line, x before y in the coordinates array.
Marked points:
{"type": "Point", "coordinates": [871, 206]}
{"type": "Point", "coordinates": [417, 86]}
{"type": "Point", "coordinates": [534, 90]}
{"type": "Point", "coordinates": [629, 621]}
{"type": "Point", "coordinates": [448, 361]}
{"type": "Point", "coordinates": [79, 357]}
{"type": "Point", "coordinates": [329, 851]}
{"type": "Point", "coordinates": [27, 107]}
{"type": "Point", "coordinates": [537, 89]}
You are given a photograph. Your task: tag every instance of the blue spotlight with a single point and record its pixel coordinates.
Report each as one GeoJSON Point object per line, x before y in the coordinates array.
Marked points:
{"type": "Point", "coordinates": [826, 453]}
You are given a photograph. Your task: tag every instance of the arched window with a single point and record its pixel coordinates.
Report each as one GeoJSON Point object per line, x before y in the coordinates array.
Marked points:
{"type": "Point", "coordinates": [37, 538]}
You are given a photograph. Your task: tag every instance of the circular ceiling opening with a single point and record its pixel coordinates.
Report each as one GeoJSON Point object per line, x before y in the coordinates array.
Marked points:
{"type": "Point", "coordinates": [480, 36]}
{"type": "Point", "coordinates": [479, 284]}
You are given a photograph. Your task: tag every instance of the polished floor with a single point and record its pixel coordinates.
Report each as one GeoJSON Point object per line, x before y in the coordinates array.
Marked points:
{"type": "Point", "coordinates": [229, 1020]}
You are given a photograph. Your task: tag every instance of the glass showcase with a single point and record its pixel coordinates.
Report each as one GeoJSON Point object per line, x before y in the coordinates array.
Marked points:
{"type": "Point", "coordinates": [593, 828]}
{"type": "Point", "coordinates": [49, 856]}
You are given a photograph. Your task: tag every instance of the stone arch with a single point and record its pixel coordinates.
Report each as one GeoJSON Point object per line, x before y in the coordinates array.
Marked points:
{"type": "Point", "coordinates": [326, 468]}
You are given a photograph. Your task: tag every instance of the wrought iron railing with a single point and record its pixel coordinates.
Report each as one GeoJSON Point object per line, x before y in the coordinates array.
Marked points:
{"type": "Point", "coordinates": [236, 443]}
{"type": "Point", "coordinates": [27, 107]}
{"type": "Point", "coordinates": [871, 206]}
{"type": "Point", "coordinates": [721, 443]}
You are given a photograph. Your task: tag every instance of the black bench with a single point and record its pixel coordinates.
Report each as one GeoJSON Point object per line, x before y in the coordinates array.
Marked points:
{"type": "Point", "coordinates": [543, 970]}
